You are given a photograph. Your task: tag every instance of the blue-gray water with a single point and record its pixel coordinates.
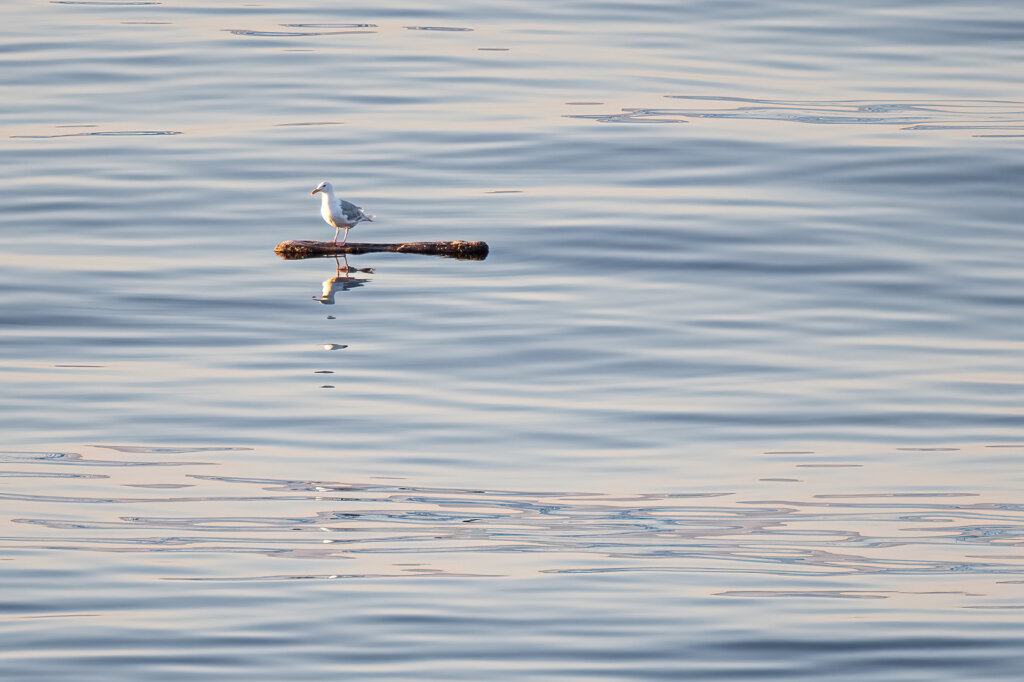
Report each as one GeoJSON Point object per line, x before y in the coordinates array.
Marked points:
{"type": "Point", "coordinates": [738, 393]}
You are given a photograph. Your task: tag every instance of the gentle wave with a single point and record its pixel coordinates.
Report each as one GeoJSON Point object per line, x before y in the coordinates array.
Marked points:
{"type": "Point", "coordinates": [111, 3]}
{"type": "Point", "coordinates": [437, 28]}
{"type": "Point", "coordinates": [289, 34]}
{"type": "Point", "coordinates": [101, 133]}
{"type": "Point", "coordinates": [922, 115]}
{"type": "Point", "coordinates": [693, 532]}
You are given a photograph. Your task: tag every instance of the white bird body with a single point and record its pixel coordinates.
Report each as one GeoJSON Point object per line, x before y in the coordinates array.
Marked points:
{"type": "Point", "coordinates": [338, 213]}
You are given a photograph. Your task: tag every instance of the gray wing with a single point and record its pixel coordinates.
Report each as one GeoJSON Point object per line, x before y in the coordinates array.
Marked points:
{"type": "Point", "coordinates": [351, 212]}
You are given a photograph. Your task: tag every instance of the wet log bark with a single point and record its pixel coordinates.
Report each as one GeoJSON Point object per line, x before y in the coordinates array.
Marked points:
{"type": "Point", "coordinates": [296, 249]}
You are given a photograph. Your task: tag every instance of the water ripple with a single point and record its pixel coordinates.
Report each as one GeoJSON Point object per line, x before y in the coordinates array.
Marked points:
{"type": "Point", "coordinates": [101, 133]}
{"type": "Point", "coordinates": [329, 25]}
{"type": "Point", "coordinates": [907, 115]}
{"type": "Point", "coordinates": [437, 28]}
{"type": "Point", "coordinates": [75, 459]}
{"type": "Point", "coordinates": [308, 123]}
{"type": "Point", "coordinates": [824, 536]}
{"type": "Point", "coordinates": [290, 34]}
{"type": "Point", "coordinates": [173, 450]}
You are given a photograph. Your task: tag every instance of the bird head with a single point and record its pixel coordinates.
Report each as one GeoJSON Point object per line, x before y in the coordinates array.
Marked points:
{"type": "Point", "coordinates": [322, 187]}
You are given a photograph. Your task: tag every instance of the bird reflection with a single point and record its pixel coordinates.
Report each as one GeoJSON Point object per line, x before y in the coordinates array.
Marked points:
{"type": "Point", "coordinates": [342, 281]}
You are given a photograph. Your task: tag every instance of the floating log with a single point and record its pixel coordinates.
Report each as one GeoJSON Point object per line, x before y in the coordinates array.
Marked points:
{"type": "Point", "coordinates": [297, 249]}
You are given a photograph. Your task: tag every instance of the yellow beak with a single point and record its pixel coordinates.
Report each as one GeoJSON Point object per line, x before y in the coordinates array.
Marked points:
{"type": "Point", "coordinates": [315, 191]}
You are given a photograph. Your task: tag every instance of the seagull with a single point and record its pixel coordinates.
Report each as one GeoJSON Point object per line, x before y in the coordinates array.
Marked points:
{"type": "Point", "coordinates": [337, 212]}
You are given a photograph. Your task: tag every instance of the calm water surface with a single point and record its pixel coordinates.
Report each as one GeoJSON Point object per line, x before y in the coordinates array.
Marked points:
{"type": "Point", "coordinates": [738, 393]}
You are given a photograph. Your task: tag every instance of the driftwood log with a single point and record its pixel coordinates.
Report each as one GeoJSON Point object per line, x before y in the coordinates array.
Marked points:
{"type": "Point", "coordinates": [296, 249]}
